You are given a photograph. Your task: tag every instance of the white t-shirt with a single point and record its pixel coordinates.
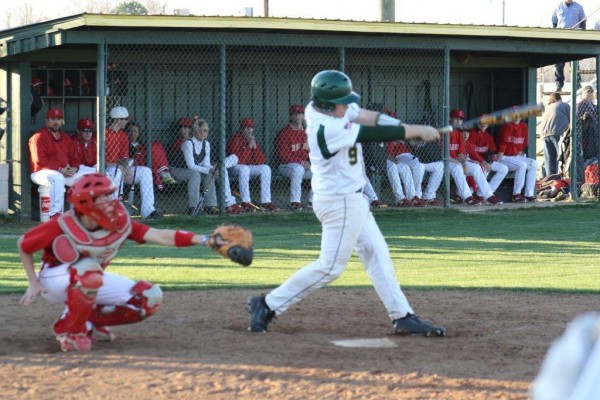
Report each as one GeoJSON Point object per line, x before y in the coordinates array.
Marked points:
{"type": "Point", "coordinates": [336, 159]}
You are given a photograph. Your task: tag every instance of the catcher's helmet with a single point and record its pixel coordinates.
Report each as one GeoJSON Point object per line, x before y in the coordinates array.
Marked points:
{"type": "Point", "coordinates": [457, 113]}
{"type": "Point", "coordinates": [331, 87]}
{"type": "Point", "coordinates": [83, 193]}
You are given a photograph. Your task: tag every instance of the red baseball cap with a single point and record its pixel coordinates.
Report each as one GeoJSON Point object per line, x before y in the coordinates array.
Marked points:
{"type": "Point", "coordinates": [296, 109]}
{"type": "Point", "coordinates": [35, 81]}
{"type": "Point", "coordinates": [54, 113]}
{"type": "Point", "coordinates": [185, 121]}
{"type": "Point", "coordinates": [247, 122]}
{"type": "Point", "coordinates": [85, 123]}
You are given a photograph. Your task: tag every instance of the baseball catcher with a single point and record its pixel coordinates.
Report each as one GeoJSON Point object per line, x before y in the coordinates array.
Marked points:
{"type": "Point", "coordinates": [78, 245]}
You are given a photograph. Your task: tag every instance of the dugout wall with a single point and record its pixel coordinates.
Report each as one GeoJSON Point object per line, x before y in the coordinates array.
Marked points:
{"type": "Point", "coordinates": [163, 68]}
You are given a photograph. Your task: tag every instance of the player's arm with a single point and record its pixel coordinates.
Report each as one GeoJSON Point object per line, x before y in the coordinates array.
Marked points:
{"type": "Point", "coordinates": [35, 287]}
{"type": "Point", "coordinates": [170, 237]}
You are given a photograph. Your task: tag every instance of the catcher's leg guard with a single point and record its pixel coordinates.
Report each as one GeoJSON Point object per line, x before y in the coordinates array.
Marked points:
{"type": "Point", "coordinates": [85, 280]}
{"type": "Point", "coordinates": [146, 299]}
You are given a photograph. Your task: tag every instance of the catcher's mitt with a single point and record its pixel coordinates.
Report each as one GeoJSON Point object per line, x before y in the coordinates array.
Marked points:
{"type": "Point", "coordinates": [233, 242]}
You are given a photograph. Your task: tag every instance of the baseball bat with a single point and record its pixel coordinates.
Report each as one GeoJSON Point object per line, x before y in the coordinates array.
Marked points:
{"type": "Point", "coordinates": [498, 117]}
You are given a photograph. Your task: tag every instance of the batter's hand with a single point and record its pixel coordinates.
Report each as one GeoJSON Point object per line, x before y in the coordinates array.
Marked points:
{"type": "Point", "coordinates": [429, 133]}
{"type": "Point", "coordinates": [32, 292]}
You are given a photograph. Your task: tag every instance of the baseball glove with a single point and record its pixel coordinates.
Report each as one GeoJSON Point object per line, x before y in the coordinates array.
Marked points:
{"type": "Point", "coordinates": [233, 242]}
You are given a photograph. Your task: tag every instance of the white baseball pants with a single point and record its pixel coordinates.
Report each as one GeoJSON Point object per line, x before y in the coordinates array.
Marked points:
{"type": "Point", "coordinates": [525, 170]}
{"type": "Point", "coordinates": [483, 186]}
{"type": "Point", "coordinates": [398, 174]}
{"type": "Point", "coordinates": [57, 182]}
{"type": "Point", "coordinates": [500, 170]}
{"type": "Point", "coordinates": [347, 224]}
{"type": "Point", "coordinates": [138, 175]}
{"type": "Point", "coordinates": [460, 180]}
{"type": "Point", "coordinates": [244, 172]}
{"type": "Point", "coordinates": [418, 169]}
{"type": "Point", "coordinates": [296, 172]}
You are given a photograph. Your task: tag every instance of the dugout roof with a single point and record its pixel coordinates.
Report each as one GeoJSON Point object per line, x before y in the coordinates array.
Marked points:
{"type": "Point", "coordinates": [532, 46]}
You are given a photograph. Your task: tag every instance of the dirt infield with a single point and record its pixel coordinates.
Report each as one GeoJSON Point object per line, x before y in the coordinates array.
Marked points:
{"type": "Point", "coordinates": [197, 347]}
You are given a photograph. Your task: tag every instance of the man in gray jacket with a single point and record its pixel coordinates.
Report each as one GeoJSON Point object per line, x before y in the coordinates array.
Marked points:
{"type": "Point", "coordinates": [555, 122]}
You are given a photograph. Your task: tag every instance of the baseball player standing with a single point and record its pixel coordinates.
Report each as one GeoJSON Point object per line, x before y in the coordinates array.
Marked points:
{"type": "Point", "coordinates": [336, 127]}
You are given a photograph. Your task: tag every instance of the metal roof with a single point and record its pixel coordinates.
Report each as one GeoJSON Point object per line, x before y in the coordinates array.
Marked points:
{"type": "Point", "coordinates": [94, 28]}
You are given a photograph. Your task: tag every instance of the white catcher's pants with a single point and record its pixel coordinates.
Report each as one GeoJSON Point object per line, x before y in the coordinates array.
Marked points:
{"type": "Point", "coordinates": [57, 182]}
{"type": "Point", "coordinates": [296, 172]}
{"type": "Point", "coordinates": [347, 224]}
{"type": "Point", "coordinates": [143, 177]}
{"type": "Point", "coordinates": [244, 172]}
{"type": "Point", "coordinates": [525, 169]}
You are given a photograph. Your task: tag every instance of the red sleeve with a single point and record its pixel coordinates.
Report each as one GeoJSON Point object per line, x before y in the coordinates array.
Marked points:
{"type": "Point", "coordinates": [159, 156]}
{"type": "Point", "coordinates": [74, 159]}
{"type": "Point", "coordinates": [502, 138]}
{"type": "Point", "coordinates": [138, 231]}
{"type": "Point", "coordinates": [283, 147]}
{"type": "Point", "coordinates": [259, 156]}
{"type": "Point", "coordinates": [473, 155]}
{"type": "Point", "coordinates": [38, 155]}
{"type": "Point", "coordinates": [490, 142]}
{"type": "Point", "coordinates": [40, 237]}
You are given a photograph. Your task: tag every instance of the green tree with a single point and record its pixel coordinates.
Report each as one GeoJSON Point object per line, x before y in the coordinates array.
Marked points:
{"type": "Point", "coordinates": [131, 8]}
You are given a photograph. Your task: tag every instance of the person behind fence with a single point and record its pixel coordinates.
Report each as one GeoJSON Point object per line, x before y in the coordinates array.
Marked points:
{"type": "Point", "coordinates": [76, 249]}
{"type": "Point", "coordinates": [555, 122]}
{"type": "Point", "coordinates": [251, 163]}
{"type": "Point", "coordinates": [483, 143]}
{"type": "Point", "coordinates": [291, 149]}
{"type": "Point", "coordinates": [462, 166]}
{"type": "Point", "coordinates": [119, 166]}
{"type": "Point", "coordinates": [568, 14]}
{"type": "Point", "coordinates": [404, 168]}
{"type": "Point", "coordinates": [54, 160]}
{"type": "Point", "coordinates": [512, 141]}
{"type": "Point", "coordinates": [85, 143]}
{"type": "Point", "coordinates": [587, 124]}
{"type": "Point", "coordinates": [336, 128]}
{"type": "Point", "coordinates": [161, 172]}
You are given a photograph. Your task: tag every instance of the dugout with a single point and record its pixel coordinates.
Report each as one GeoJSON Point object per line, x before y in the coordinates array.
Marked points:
{"type": "Point", "coordinates": [227, 68]}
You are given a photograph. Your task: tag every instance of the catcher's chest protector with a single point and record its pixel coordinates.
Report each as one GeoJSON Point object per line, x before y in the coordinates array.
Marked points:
{"type": "Point", "coordinates": [77, 241]}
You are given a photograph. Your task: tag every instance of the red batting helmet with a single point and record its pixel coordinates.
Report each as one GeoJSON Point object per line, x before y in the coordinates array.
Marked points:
{"type": "Point", "coordinates": [296, 109]}
{"type": "Point", "coordinates": [457, 113]}
{"type": "Point", "coordinates": [82, 196]}
{"type": "Point", "coordinates": [54, 113]}
{"type": "Point", "coordinates": [247, 122]}
{"type": "Point", "coordinates": [85, 123]}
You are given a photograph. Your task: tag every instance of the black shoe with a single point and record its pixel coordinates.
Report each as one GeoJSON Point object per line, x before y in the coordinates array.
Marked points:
{"type": "Point", "coordinates": [412, 325]}
{"type": "Point", "coordinates": [211, 210]}
{"type": "Point", "coordinates": [154, 215]}
{"type": "Point", "coordinates": [260, 314]}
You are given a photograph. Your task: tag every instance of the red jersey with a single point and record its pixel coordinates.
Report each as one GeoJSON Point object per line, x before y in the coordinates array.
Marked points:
{"type": "Point", "coordinates": [291, 145]}
{"type": "Point", "coordinates": [457, 144]}
{"type": "Point", "coordinates": [117, 146]}
{"type": "Point", "coordinates": [49, 153]}
{"type": "Point", "coordinates": [86, 152]}
{"type": "Point", "coordinates": [470, 151]}
{"type": "Point", "coordinates": [482, 141]}
{"type": "Point", "coordinates": [43, 236]}
{"type": "Point", "coordinates": [239, 146]}
{"type": "Point", "coordinates": [513, 138]}
{"type": "Point", "coordinates": [396, 148]}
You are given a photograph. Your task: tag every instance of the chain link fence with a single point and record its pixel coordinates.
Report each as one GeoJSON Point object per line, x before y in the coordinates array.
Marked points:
{"type": "Point", "coordinates": [230, 134]}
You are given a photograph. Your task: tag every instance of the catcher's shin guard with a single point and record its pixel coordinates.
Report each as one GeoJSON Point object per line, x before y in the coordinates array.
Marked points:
{"type": "Point", "coordinates": [146, 300]}
{"type": "Point", "coordinates": [85, 280]}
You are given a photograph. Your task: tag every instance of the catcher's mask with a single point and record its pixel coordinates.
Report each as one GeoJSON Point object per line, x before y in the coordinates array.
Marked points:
{"type": "Point", "coordinates": [331, 87]}
{"type": "Point", "coordinates": [84, 193]}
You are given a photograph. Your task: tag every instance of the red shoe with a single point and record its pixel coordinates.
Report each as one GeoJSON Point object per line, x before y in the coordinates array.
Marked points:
{"type": "Point", "coordinates": [296, 206]}
{"type": "Point", "coordinates": [530, 199]}
{"type": "Point", "coordinates": [494, 200]}
{"type": "Point", "coordinates": [269, 206]}
{"type": "Point", "coordinates": [471, 201]}
{"type": "Point", "coordinates": [74, 342]}
{"type": "Point", "coordinates": [478, 197]}
{"type": "Point", "coordinates": [418, 202]}
{"type": "Point", "coordinates": [249, 207]}
{"type": "Point", "coordinates": [518, 198]}
{"type": "Point", "coordinates": [404, 203]}
{"type": "Point", "coordinates": [235, 209]}
{"type": "Point", "coordinates": [375, 203]}
{"type": "Point", "coordinates": [435, 202]}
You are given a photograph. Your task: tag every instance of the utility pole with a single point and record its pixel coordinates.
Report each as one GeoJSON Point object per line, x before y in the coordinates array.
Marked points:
{"type": "Point", "coordinates": [266, 6]}
{"type": "Point", "coordinates": [387, 10]}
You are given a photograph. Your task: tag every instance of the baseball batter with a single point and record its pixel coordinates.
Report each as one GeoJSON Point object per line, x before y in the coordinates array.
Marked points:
{"type": "Point", "coordinates": [77, 247]}
{"type": "Point", "coordinates": [336, 126]}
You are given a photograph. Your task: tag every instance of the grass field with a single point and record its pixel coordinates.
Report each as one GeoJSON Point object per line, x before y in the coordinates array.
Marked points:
{"type": "Point", "coordinates": [551, 249]}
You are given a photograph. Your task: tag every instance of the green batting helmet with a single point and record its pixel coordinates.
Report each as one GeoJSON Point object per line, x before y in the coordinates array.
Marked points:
{"type": "Point", "coordinates": [331, 87]}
